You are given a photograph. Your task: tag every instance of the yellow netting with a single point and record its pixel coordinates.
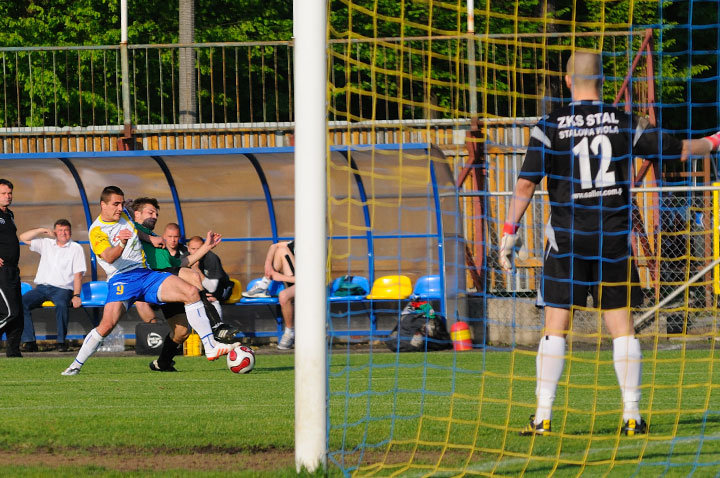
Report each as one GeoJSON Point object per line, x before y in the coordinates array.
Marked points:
{"type": "Point", "coordinates": [401, 72]}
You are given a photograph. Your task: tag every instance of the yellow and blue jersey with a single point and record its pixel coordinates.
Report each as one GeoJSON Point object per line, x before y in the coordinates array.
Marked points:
{"type": "Point", "coordinates": [103, 235]}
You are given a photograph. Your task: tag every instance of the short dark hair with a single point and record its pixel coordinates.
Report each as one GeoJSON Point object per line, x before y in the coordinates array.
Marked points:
{"type": "Point", "coordinates": [62, 222]}
{"type": "Point", "coordinates": [109, 191]}
{"type": "Point", "coordinates": [140, 202]}
{"type": "Point", "coordinates": [7, 183]}
{"type": "Point", "coordinates": [172, 225]}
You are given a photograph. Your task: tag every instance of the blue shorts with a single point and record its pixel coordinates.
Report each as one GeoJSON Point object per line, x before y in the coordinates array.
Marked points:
{"type": "Point", "coordinates": [137, 284]}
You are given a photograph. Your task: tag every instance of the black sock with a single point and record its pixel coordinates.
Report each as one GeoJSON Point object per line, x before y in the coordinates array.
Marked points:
{"type": "Point", "coordinates": [212, 314]}
{"type": "Point", "coordinates": [169, 350]}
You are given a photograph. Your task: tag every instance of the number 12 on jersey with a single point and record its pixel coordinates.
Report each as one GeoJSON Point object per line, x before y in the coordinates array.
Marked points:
{"type": "Point", "coordinates": [600, 145]}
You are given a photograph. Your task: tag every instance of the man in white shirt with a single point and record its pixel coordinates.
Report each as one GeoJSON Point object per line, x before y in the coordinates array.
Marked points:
{"type": "Point", "coordinates": [58, 279]}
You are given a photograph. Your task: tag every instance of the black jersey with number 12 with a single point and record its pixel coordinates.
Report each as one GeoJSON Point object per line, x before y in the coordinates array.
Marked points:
{"type": "Point", "coordinates": [586, 151]}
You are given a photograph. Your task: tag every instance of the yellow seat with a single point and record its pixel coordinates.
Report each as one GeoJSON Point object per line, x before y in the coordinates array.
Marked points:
{"type": "Point", "coordinates": [236, 292]}
{"type": "Point", "coordinates": [391, 287]}
{"type": "Point", "coordinates": [48, 303]}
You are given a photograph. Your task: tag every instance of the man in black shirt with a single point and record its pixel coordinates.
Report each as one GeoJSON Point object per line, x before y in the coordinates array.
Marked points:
{"type": "Point", "coordinates": [11, 316]}
{"type": "Point", "coordinates": [586, 151]}
{"type": "Point", "coordinates": [216, 280]}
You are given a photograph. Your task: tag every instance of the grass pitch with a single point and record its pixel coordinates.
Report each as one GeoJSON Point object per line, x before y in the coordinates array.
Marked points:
{"type": "Point", "coordinates": [411, 414]}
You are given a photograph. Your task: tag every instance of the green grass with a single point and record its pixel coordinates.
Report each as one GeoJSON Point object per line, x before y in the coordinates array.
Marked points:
{"type": "Point", "coordinates": [408, 413]}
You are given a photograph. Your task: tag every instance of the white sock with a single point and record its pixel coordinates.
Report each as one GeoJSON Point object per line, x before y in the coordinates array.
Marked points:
{"type": "Point", "coordinates": [210, 285]}
{"type": "Point", "coordinates": [198, 320]}
{"type": "Point", "coordinates": [627, 357]}
{"type": "Point", "coordinates": [290, 330]}
{"type": "Point", "coordinates": [218, 307]}
{"type": "Point", "coordinates": [89, 347]}
{"type": "Point", "coordinates": [549, 363]}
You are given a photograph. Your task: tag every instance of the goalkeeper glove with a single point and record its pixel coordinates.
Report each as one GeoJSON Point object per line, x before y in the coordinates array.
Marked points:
{"type": "Point", "coordinates": [510, 242]}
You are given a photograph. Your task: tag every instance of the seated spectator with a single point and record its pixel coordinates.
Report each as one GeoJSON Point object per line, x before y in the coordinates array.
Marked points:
{"type": "Point", "coordinates": [216, 281]}
{"type": "Point", "coordinates": [280, 266]}
{"type": "Point", "coordinates": [280, 256]}
{"type": "Point", "coordinates": [58, 278]}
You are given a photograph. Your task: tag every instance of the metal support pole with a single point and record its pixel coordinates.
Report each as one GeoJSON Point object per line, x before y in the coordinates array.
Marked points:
{"type": "Point", "coordinates": [125, 142]}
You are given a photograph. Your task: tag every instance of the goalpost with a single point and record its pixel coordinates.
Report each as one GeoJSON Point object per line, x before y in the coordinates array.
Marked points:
{"type": "Point", "coordinates": [399, 72]}
{"type": "Point", "coordinates": [310, 32]}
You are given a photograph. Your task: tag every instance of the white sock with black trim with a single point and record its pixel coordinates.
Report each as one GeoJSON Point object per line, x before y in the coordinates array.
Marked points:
{"type": "Point", "coordinates": [549, 365]}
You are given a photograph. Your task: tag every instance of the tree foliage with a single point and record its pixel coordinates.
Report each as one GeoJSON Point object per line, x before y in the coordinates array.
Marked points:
{"type": "Point", "coordinates": [385, 79]}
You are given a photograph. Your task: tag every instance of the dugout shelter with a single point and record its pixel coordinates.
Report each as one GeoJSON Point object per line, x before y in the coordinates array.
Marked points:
{"type": "Point", "coordinates": [392, 209]}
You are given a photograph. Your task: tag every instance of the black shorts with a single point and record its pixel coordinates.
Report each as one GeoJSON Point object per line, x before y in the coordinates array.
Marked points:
{"type": "Point", "coordinates": [567, 280]}
{"type": "Point", "coordinates": [173, 270]}
{"type": "Point", "coordinates": [171, 309]}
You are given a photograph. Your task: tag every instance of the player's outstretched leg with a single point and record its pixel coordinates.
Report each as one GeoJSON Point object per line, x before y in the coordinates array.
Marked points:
{"type": "Point", "coordinates": [222, 332]}
{"type": "Point", "coordinates": [174, 289]}
{"type": "Point", "coordinates": [198, 320]}
{"type": "Point", "coordinates": [627, 358]}
{"type": "Point", "coordinates": [93, 340]}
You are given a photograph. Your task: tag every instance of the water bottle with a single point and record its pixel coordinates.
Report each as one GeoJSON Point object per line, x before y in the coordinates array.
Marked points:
{"type": "Point", "coordinates": [115, 342]}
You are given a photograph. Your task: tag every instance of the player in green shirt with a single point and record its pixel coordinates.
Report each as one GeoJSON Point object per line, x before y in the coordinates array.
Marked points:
{"type": "Point", "coordinates": [145, 214]}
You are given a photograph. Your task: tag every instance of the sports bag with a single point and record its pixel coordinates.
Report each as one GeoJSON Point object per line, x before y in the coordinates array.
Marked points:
{"type": "Point", "coordinates": [419, 328]}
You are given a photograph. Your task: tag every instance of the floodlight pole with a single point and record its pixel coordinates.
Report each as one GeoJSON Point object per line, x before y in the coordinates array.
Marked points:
{"type": "Point", "coordinates": [310, 32]}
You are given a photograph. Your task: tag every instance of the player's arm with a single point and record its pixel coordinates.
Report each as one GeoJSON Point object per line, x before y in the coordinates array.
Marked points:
{"type": "Point", "coordinates": [28, 236]}
{"type": "Point", "coordinates": [700, 147]}
{"type": "Point", "coordinates": [149, 238]}
{"type": "Point", "coordinates": [531, 173]}
{"type": "Point", "coordinates": [212, 240]}
{"type": "Point", "coordinates": [101, 246]}
{"type": "Point", "coordinates": [651, 143]}
{"type": "Point", "coordinates": [280, 277]}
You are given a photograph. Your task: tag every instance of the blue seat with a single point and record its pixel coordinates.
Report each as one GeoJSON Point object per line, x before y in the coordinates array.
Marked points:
{"type": "Point", "coordinates": [274, 289]}
{"type": "Point", "coordinates": [428, 288]}
{"type": "Point", "coordinates": [272, 301]}
{"type": "Point", "coordinates": [358, 280]}
{"type": "Point", "coordinates": [25, 287]}
{"type": "Point", "coordinates": [94, 294]}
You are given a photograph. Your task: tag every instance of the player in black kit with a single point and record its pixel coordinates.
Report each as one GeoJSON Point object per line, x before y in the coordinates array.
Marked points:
{"type": "Point", "coordinates": [11, 317]}
{"type": "Point", "coordinates": [586, 150]}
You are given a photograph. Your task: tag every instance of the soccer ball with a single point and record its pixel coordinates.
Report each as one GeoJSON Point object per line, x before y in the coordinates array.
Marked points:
{"type": "Point", "coordinates": [241, 359]}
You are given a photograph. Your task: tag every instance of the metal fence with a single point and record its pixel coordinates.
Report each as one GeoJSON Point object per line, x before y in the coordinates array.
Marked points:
{"type": "Point", "coordinates": [81, 86]}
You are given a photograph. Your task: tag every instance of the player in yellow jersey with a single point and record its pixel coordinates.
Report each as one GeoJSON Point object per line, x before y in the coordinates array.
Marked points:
{"type": "Point", "coordinates": [114, 240]}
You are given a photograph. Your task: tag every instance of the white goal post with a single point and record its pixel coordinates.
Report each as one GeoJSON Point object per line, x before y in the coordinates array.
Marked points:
{"type": "Point", "coordinates": [310, 70]}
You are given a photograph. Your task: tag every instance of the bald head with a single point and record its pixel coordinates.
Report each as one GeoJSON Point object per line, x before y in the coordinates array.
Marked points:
{"type": "Point", "coordinates": [584, 74]}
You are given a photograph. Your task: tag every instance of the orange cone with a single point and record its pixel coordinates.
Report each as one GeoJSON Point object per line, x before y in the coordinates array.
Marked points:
{"type": "Point", "coordinates": [460, 334]}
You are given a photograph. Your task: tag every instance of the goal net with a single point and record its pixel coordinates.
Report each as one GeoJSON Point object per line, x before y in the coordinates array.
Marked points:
{"type": "Point", "coordinates": [443, 101]}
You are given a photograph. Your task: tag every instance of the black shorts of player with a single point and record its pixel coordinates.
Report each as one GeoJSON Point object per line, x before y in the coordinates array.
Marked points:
{"type": "Point", "coordinates": [567, 280]}
{"type": "Point", "coordinates": [171, 309]}
{"type": "Point", "coordinates": [173, 270]}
